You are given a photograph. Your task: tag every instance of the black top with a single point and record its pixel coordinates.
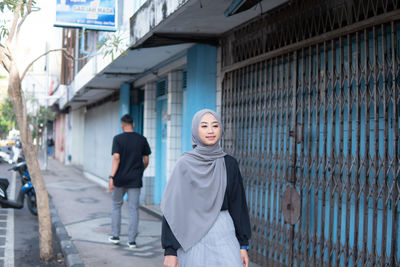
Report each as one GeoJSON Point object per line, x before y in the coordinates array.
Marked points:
{"type": "Point", "coordinates": [131, 147]}
{"type": "Point", "coordinates": [234, 202]}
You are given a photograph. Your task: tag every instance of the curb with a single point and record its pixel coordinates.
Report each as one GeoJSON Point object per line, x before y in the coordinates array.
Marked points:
{"type": "Point", "coordinates": [71, 254]}
{"type": "Point", "coordinates": [151, 211]}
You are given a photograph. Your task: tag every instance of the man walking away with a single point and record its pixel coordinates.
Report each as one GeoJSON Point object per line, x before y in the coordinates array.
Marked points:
{"type": "Point", "coordinates": [130, 152]}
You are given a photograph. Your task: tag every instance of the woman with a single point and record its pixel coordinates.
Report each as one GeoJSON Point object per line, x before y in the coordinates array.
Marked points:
{"type": "Point", "coordinates": [206, 221]}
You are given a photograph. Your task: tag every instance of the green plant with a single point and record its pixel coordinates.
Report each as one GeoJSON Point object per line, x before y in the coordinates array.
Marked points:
{"type": "Point", "coordinates": [114, 45]}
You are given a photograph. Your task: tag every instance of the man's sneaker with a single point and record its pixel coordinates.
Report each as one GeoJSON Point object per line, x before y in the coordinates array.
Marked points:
{"type": "Point", "coordinates": [132, 245]}
{"type": "Point", "coordinates": [114, 240]}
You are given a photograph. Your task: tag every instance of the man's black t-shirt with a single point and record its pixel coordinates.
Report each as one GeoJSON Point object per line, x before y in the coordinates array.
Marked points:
{"type": "Point", "coordinates": [131, 147]}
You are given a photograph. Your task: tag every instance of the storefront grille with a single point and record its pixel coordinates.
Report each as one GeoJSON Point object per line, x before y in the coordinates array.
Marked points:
{"type": "Point", "coordinates": [299, 20]}
{"type": "Point", "coordinates": [323, 118]}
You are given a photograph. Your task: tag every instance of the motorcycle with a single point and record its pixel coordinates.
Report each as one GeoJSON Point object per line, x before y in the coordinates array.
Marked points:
{"type": "Point", "coordinates": [5, 157]}
{"type": "Point", "coordinates": [26, 190]}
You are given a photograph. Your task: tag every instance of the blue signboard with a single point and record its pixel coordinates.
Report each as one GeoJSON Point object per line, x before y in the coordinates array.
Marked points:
{"type": "Point", "coordinates": [89, 14]}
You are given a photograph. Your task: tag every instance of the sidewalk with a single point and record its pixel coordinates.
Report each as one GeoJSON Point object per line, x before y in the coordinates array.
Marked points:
{"type": "Point", "coordinates": [84, 208]}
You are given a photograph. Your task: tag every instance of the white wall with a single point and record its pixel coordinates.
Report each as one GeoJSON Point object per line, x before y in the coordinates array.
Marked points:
{"type": "Point", "coordinates": [150, 15]}
{"type": "Point", "coordinates": [174, 123]}
{"type": "Point", "coordinates": [76, 136]}
{"type": "Point", "coordinates": [174, 73]}
{"type": "Point", "coordinates": [101, 125]}
{"type": "Point", "coordinates": [137, 4]}
{"type": "Point", "coordinates": [149, 131]}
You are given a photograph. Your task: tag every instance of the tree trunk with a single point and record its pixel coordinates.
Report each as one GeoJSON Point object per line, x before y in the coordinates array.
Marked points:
{"type": "Point", "coordinates": [18, 100]}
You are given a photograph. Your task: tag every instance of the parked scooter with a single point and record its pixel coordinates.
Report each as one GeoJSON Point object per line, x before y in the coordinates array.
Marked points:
{"type": "Point", "coordinates": [5, 157]}
{"type": "Point", "coordinates": [22, 169]}
{"type": "Point", "coordinates": [26, 190]}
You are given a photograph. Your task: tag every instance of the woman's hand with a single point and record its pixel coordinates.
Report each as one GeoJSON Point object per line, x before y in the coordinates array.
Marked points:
{"type": "Point", "coordinates": [245, 257]}
{"type": "Point", "coordinates": [171, 261]}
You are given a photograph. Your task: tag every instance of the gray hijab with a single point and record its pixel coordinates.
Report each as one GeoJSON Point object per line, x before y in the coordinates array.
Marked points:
{"type": "Point", "coordinates": [195, 191]}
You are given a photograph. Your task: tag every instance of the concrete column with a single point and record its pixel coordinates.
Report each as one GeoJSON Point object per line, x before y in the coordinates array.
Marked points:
{"type": "Point", "coordinates": [201, 87]}
{"type": "Point", "coordinates": [174, 124]}
{"type": "Point", "coordinates": [149, 131]}
{"type": "Point", "coordinates": [219, 82]}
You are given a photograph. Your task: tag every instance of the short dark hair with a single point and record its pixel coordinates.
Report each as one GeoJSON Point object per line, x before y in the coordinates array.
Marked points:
{"type": "Point", "coordinates": [127, 119]}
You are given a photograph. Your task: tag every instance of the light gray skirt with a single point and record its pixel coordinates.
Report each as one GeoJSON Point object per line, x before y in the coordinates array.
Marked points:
{"type": "Point", "coordinates": [218, 248]}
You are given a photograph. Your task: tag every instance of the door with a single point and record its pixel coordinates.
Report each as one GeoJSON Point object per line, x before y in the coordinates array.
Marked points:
{"type": "Point", "coordinates": [137, 108]}
{"type": "Point", "coordinates": [137, 115]}
{"type": "Point", "coordinates": [161, 147]}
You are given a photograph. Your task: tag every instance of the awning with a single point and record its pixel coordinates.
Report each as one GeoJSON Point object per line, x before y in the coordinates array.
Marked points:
{"type": "Point", "coordinates": [163, 39]}
{"type": "Point", "coordinates": [125, 68]}
{"type": "Point", "coordinates": [202, 21]}
{"type": "Point", "coordinates": [197, 21]}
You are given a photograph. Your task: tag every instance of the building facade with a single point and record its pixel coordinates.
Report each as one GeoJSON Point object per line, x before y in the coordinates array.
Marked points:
{"type": "Point", "coordinates": [309, 97]}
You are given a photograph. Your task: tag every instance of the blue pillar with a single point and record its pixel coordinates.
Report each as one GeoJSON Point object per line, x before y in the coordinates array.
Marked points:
{"type": "Point", "coordinates": [201, 87]}
{"type": "Point", "coordinates": [124, 100]}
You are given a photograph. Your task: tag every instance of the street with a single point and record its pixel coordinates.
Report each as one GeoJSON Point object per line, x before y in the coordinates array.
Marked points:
{"type": "Point", "coordinates": [6, 226]}
{"type": "Point", "coordinates": [19, 237]}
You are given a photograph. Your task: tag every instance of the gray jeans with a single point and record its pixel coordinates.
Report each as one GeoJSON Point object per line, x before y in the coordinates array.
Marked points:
{"type": "Point", "coordinates": [133, 206]}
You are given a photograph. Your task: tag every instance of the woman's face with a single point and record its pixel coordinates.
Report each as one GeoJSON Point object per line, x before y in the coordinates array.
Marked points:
{"type": "Point", "coordinates": [209, 130]}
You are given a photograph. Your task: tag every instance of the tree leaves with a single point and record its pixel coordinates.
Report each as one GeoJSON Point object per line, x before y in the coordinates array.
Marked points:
{"type": "Point", "coordinates": [42, 116]}
{"type": "Point", "coordinates": [7, 117]}
{"type": "Point", "coordinates": [9, 7]}
{"type": "Point", "coordinates": [4, 31]}
{"type": "Point", "coordinates": [114, 45]}
{"type": "Point", "coordinates": [6, 110]}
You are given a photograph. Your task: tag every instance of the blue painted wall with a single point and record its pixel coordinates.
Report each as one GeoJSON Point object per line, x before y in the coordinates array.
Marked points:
{"type": "Point", "coordinates": [137, 115]}
{"type": "Point", "coordinates": [201, 87]}
{"type": "Point", "coordinates": [137, 108]}
{"type": "Point", "coordinates": [124, 97]}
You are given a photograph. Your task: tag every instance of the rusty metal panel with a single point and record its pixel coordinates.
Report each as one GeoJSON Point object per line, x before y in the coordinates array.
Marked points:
{"type": "Point", "coordinates": [323, 121]}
